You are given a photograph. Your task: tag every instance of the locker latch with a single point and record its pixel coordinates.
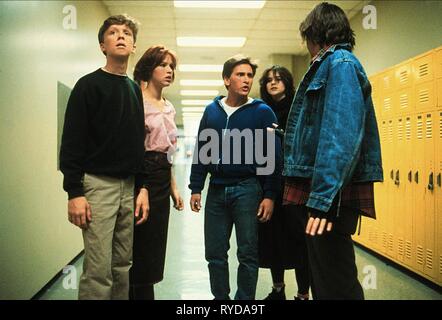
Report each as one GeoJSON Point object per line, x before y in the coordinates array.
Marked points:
{"type": "Point", "coordinates": [439, 179]}
{"type": "Point", "coordinates": [431, 181]}
{"type": "Point", "coordinates": [396, 180]}
{"type": "Point", "coordinates": [416, 177]}
{"type": "Point", "coordinates": [410, 176]}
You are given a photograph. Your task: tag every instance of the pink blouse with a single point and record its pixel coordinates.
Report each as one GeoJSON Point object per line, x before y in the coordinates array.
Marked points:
{"type": "Point", "coordinates": [161, 130]}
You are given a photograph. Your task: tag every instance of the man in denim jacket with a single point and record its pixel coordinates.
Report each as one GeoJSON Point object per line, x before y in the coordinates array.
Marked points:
{"type": "Point", "coordinates": [331, 149]}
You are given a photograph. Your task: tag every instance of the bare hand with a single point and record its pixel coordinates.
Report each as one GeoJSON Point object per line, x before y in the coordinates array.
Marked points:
{"type": "Point", "coordinates": [265, 210]}
{"type": "Point", "coordinates": [79, 212]}
{"type": "Point", "coordinates": [143, 204]}
{"type": "Point", "coordinates": [178, 202]}
{"type": "Point", "coordinates": [313, 224]}
{"type": "Point", "coordinates": [195, 202]}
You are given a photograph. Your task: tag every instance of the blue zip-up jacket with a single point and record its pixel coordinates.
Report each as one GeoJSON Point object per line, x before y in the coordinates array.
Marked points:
{"type": "Point", "coordinates": [255, 115]}
{"type": "Point", "coordinates": [332, 135]}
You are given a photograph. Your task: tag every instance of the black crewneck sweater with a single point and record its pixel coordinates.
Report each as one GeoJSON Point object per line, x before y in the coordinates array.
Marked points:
{"type": "Point", "coordinates": [103, 130]}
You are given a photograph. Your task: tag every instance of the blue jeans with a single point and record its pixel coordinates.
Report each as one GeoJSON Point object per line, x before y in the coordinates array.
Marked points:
{"type": "Point", "coordinates": [227, 206]}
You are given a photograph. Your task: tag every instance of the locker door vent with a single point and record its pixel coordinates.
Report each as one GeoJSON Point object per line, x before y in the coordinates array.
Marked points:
{"type": "Point", "coordinates": [403, 101]}
{"type": "Point", "coordinates": [390, 131]}
{"type": "Point", "coordinates": [408, 250]}
{"type": "Point", "coordinates": [400, 247]}
{"type": "Point", "coordinates": [423, 70]}
{"type": "Point", "coordinates": [429, 127]}
{"type": "Point", "coordinates": [408, 129]}
{"type": "Point", "coordinates": [440, 126]}
{"type": "Point", "coordinates": [424, 96]}
{"type": "Point", "coordinates": [384, 240]}
{"type": "Point", "coordinates": [440, 264]}
{"type": "Point", "coordinates": [387, 104]}
{"type": "Point", "coordinates": [400, 129]}
{"type": "Point", "coordinates": [390, 242]}
{"type": "Point", "coordinates": [429, 259]}
{"type": "Point", "coordinates": [419, 127]}
{"type": "Point", "coordinates": [404, 77]}
{"type": "Point", "coordinates": [420, 255]}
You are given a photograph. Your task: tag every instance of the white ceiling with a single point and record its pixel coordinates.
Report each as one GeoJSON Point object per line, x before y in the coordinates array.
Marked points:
{"type": "Point", "coordinates": [270, 30]}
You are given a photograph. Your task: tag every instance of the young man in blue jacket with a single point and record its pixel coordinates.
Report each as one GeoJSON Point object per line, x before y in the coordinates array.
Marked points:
{"type": "Point", "coordinates": [243, 159]}
{"type": "Point", "coordinates": [332, 152]}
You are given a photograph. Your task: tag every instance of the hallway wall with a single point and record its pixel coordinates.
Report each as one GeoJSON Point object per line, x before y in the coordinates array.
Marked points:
{"type": "Point", "coordinates": [404, 30]}
{"type": "Point", "coordinates": [35, 237]}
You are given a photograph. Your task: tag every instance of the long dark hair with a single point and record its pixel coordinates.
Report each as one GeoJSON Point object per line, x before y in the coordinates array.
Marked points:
{"type": "Point", "coordinates": [327, 24]}
{"type": "Point", "coordinates": [286, 78]}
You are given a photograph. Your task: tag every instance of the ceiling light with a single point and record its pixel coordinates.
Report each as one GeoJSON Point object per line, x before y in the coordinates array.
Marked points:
{"type": "Point", "coordinates": [202, 83]}
{"type": "Point", "coordinates": [220, 4]}
{"type": "Point", "coordinates": [200, 67]}
{"type": "Point", "coordinates": [205, 93]}
{"type": "Point", "coordinates": [192, 109]}
{"type": "Point", "coordinates": [231, 42]}
{"type": "Point", "coordinates": [196, 102]}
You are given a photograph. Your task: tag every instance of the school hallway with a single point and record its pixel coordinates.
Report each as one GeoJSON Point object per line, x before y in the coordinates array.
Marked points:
{"type": "Point", "coordinates": [186, 275]}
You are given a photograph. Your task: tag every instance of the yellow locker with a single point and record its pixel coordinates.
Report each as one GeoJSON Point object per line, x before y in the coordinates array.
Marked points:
{"type": "Point", "coordinates": [419, 194]}
{"type": "Point", "coordinates": [398, 193]}
{"type": "Point", "coordinates": [380, 193]}
{"type": "Point", "coordinates": [439, 92]}
{"type": "Point", "coordinates": [388, 237]}
{"type": "Point", "coordinates": [423, 75]}
{"type": "Point", "coordinates": [408, 198]}
{"type": "Point", "coordinates": [438, 193]}
{"type": "Point", "coordinates": [387, 87]}
{"type": "Point", "coordinates": [423, 67]}
{"type": "Point", "coordinates": [438, 62]}
{"type": "Point", "coordinates": [430, 223]}
{"type": "Point", "coordinates": [404, 96]}
{"type": "Point", "coordinates": [374, 81]}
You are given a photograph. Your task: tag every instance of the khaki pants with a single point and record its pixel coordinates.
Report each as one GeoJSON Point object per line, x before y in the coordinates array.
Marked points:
{"type": "Point", "coordinates": [108, 239]}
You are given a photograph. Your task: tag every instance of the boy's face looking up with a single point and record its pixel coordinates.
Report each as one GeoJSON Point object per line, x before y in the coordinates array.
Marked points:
{"type": "Point", "coordinates": [118, 41]}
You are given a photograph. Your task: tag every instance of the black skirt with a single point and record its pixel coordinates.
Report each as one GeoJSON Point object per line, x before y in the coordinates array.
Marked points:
{"type": "Point", "coordinates": [281, 242]}
{"type": "Point", "coordinates": [150, 238]}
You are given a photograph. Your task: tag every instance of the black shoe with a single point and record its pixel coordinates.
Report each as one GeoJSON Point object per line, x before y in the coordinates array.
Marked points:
{"type": "Point", "coordinates": [275, 295]}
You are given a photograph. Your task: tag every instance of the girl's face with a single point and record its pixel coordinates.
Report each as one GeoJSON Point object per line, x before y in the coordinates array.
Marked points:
{"type": "Point", "coordinates": [163, 74]}
{"type": "Point", "coordinates": [275, 87]}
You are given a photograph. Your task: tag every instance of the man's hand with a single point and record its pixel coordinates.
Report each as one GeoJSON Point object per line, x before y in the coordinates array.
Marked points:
{"type": "Point", "coordinates": [316, 221]}
{"type": "Point", "coordinates": [79, 212]}
{"type": "Point", "coordinates": [265, 210]}
{"type": "Point", "coordinates": [178, 202]}
{"type": "Point", "coordinates": [195, 202]}
{"type": "Point", "coordinates": [142, 204]}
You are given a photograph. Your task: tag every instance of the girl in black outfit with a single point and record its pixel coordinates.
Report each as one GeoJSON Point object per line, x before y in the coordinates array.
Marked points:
{"type": "Point", "coordinates": [282, 243]}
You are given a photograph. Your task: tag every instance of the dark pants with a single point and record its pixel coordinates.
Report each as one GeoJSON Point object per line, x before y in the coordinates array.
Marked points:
{"type": "Point", "coordinates": [227, 206]}
{"type": "Point", "coordinates": [332, 261]}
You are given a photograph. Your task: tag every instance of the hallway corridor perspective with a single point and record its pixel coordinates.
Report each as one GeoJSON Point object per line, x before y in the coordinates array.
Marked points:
{"type": "Point", "coordinates": [186, 275]}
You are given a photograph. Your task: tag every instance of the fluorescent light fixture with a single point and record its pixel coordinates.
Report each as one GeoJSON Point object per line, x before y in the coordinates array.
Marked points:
{"type": "Point", "coordinates": [195, 102]}
{"type": "Point", "coordinates": [202, 83]}
{"type": "Point", "coordinates": [204, 93]}
{"type": "Point", "coordinates": [195, 115]}
{"type": "Point", "coordinates": [200, 67]}
{"type": "Point", "coordinates": [192, 109]}
{"type": "Point", "coordinates": [220, 4]}
{"type": "Point", "coordinates": [230, 42]}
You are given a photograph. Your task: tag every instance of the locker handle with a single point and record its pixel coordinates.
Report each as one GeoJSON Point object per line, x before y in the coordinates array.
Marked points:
{"type": "Point", "coordinates": [396, 180]}
{"type": "Point", "coordinates": [416, 177]}
{"type": "Point", "coordinates": [431, 181]}
{"type": "Point", "coordinates": [410, 176]}
{"type": "Point", "coordinates": [392, 174]}
{"type": "Point", "coordinates": [439, 179]}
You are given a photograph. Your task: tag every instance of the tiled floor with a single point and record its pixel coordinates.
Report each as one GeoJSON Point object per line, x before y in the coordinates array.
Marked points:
{"type": "Point", "coordinates": [186, 275]}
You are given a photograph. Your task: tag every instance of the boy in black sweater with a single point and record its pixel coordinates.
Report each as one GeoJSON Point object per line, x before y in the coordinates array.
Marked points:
{"type": "Point", "coordinates": [101, 157]}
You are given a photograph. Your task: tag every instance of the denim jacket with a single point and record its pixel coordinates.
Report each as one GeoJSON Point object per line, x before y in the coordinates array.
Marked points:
{"type": "Point", "coordinates": [332, 135]}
